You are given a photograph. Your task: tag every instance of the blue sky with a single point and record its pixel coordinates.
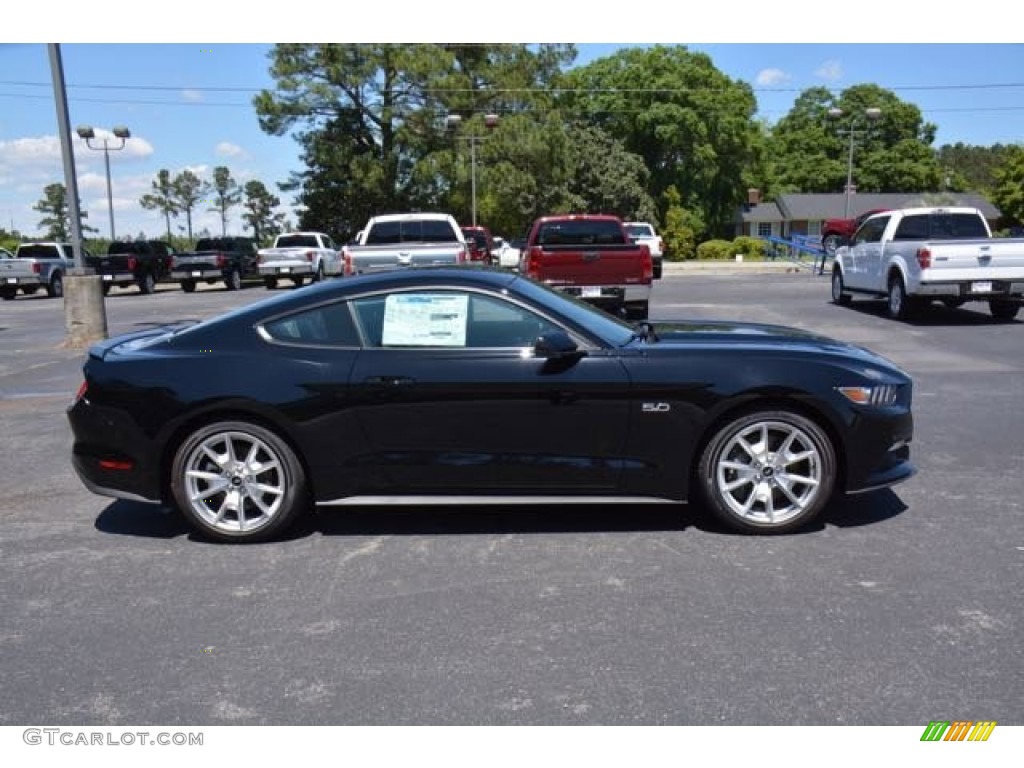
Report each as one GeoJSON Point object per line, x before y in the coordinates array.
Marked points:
{"type": "Point", "coordinates": [188, 105]}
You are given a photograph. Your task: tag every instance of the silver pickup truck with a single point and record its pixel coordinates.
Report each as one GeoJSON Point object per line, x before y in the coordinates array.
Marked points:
{"type": "Point", "coordinates": [298, 255]}
{"type": "Point", "coordinates": [405, 240]}
{"type": "Point", "coordinates": [37, 266]}
{"type": "Point", "coordinates": [918, 255]}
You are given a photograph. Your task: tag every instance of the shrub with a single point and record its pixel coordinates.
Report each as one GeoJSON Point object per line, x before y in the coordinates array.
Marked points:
{"type": "Point", "coordinates": [750, 247]}
{"type": "Point", "coordinates": [715, 249]}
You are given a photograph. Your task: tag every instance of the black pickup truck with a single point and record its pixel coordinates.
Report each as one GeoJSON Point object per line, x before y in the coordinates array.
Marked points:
{"type": "Point", "coordinates": [231, 259]}
{"type": "Point", "coordinates": [141, 262]}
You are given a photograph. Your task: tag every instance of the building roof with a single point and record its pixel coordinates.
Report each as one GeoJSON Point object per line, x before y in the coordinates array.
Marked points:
{"type": "Point", "coordinates": [798, 207]}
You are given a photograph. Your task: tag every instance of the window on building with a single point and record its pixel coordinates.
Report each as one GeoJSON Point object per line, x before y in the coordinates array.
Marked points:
{"type": "Point", "coordinates": [814, 228]}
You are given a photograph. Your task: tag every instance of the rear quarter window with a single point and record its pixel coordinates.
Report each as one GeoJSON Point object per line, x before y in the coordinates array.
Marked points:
{"type": "Point", "coordinates": [329, 325]}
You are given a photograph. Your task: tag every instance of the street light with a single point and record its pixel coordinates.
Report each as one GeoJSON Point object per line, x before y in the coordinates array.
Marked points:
{"type": "Point", "coordinates": [452, 122]}
{"type": "Point", "coordinates": [120, 132]}
{"type": "Point", "coordinates": [871, 114]}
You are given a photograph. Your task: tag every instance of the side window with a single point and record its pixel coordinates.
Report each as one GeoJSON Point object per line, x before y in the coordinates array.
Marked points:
{"type": "Point", "coordinates": [328, 325]}
{"type": "Point", "coordinates": [871, 231]}
{"type": "Point", "coordinates": [447, 319]}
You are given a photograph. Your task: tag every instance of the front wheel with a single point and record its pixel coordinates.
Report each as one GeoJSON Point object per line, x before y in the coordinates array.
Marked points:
{"type": "Point", "coordinates": [768, 472]}
{"type": "Point", "coordinates": [831, 243]}
{"type": "Point", "coordinates": [237, 481]}
{"type": "Point", "coordinates": [1003, 310]}
{"type": "Point", "coordinates": [839, 295]}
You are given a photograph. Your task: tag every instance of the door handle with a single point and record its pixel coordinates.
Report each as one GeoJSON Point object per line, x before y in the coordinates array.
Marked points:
{"type": "Point", "coordinates": [389, 381]}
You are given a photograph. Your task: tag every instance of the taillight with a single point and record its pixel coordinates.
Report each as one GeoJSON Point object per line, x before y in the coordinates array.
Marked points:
{"type": "Point", "coordinates": [924, 258]}
{"type": "Point", "coordinates": [37, 267]}
{"type": "Point", "coordinates": [310, 255]}
{"type": "Point", "coordinates": [533, 257]}
{"type": "Point", "coordinates": [346, 259]}
{"type": "Point", "coordinates": [132, 263]}
{"type": "Point", "coordinates": [173, 262]}
{"type": "Point", "coordinates": [460, 255]}
{"type": "Point", "coordinates": [81, 391]}
{"type": "Point", "coordinates": [222, 260]}
{"type": "Point", "coordinates": [647, 263]}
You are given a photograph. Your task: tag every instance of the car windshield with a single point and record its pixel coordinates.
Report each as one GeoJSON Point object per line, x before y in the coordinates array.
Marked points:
{"type": "Point", "coordinates": [609, 329]}
{"type": "Point", "coordinates": [639, 230]}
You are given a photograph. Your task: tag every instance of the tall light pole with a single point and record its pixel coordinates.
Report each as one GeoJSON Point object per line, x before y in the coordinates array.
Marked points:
{"type": "Point", "coordinates": [452, 122]}
{"type": "Point", "coordinates": [121, 133]}
{"type": "Point", "coordinates": [871, 114]}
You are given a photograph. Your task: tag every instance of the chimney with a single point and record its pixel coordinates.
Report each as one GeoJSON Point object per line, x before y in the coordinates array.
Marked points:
{"type": "Point", "coordinates": [753, 197]}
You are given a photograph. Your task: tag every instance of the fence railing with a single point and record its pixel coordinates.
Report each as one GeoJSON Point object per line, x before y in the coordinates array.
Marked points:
{"type": "Point", "coordinates": [803, 250]}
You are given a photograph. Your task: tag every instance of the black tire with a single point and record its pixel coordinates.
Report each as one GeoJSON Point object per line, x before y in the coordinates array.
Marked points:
{"type": "Point", "coordinates": [898, 304]}
{"type": "Point", "coordinates": [105, 288]}
{"type": "Point", "coordinates": [7, 293]}
{"type": "Point", "coordinates": [298, 280]}
{"type": "Point", "coordinates": [767, 498]}
{"type": "Point", "coordinates": [839, 294]}
{"type": "Point", "coordinates": [638, 310]}
{"type": "Point", "coordinates": [234, 280]}
{"type": "Point", "coordinates": [225, 493]}
{"type": "Point", "coordinates": [188, 286]}
{"type": "Point", "coordinates": [270, 283]}
{"type": "Point", "coordinates": [831, 243]}
{"type": "Point", "coordinates": [953, 303]}
{"type": "Point", "coordinates": [147, 283]}
{"type": "Point", "coordinates": [319, 276]}
{"type": "Point", "coordinates": [55, 288]}
{"type": "Point", "coordinates": [657, 270]}
{"type": "Point", "coordinates": [1003, 310]}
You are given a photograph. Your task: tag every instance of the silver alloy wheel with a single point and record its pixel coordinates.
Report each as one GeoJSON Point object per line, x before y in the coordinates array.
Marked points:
{"type": "Point", "coordinates": [897, 298]}
{"type": "Point", "coordinates": [838, 296]}
{"type": "Point", "coordinates": [235, 482]}
{"type": "Point", "coordinates": [769, 473]}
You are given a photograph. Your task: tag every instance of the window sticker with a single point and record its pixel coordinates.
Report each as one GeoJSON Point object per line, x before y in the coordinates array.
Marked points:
{"type": "Point", "coordinates": [425, 320]}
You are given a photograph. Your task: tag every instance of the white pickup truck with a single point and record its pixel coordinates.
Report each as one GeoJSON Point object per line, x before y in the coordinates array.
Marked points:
{"type": "Point", "coordinates": [918, 255]}
{"type": "Point", "coordinates": [298, 255]}
{"type": "Point", "coordinates": [37, 266]}
{"type": "Point", "coordinates": [405, 240]}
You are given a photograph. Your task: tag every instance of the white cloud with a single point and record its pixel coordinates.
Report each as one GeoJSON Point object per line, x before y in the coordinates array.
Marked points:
{"type": "Point", "coordinates": [227, 149]}
{"type": "Point", "coordinates": [831, 70]}
{"type": "Point", "coordinates": [772, 77]}
{"type": "Point", "coordinates": [35, 151]}
{"type": "Point", "coordinates": [191, 96]}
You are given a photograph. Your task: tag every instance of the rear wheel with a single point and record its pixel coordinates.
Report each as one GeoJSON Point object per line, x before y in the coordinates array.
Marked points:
{"type": "Point", "coordinates": [319, 276]}
{"type": "Point", "coordinates": [270, 283]}
{"type": "Point", "coordinates": [30, 290]}
{"type": "Point", "coordinates": [768, 471]}
{"type": "Point", "coordinates": [899, 305]}
{"type": "Point", "coordinates": [638, 310]}
{"type": "Point", "coordinates": [8, 293]}
{"type": "Point", "coordinates": [839, 295]}
{"type": "Point", "coordinates": [55, 288]}
{"type": "Point", "coordinates": [188, 286]}
{"type": "Point", "coordinates": [298, 280]}
{"type": "Point", "coordinates": [237, 481]}
{"type": "Point", "coordinates": [234, 280]}
{"type": "Point", "coordinates": [657, 269]}
{"type": "Point", "coordinates": [147, 283]}
{"type": "Point", "coordinates": [1003, 310]}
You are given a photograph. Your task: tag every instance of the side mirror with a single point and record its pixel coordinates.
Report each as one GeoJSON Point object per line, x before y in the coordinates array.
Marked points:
{"type": "Point", "coordinates": [557, 345]}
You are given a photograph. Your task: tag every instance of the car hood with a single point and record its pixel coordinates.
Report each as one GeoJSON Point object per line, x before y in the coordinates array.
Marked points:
{"type": "Point", "coordinates": [757, 336]}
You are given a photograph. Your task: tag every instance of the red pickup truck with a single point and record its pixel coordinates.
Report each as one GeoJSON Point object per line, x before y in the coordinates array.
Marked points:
{"type": "Point", "coordinates": [592, 257]}
{"type": "Point", "coordinates": [837, 232]}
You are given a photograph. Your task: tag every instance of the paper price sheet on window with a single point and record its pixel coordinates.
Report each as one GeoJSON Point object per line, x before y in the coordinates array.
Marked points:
{"type": "Point", "coordinates": [425, 320]}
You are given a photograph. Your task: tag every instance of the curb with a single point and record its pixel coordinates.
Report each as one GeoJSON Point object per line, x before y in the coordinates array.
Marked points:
{"type": "Point", "coordinates": [736, 268]}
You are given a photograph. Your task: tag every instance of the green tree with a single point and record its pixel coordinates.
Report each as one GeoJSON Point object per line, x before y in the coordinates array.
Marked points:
{"type": "Point", "coordinates": [810, 149]}
{"type": "Point", "coordinates": [162, 198]}
{"type": "Point", "coordinates": [1008, 194]}
{"type": "Point", "coordinates": [605, 178]}
{"type": "Point", "coordinates": [681, 229]}
{"type": "Point", "coordinates": [371, 118]}
{"type": "Point", "coordinates": [56, 220]}
{"type": "Point", "coordinates": [259, 204]}
{"type": "Point", "coordinates": [188, 191]}
{"type": "Point", "coordinates": [692, 125]}
{"type": "Point", "coordinates": [970, 168]}
{"type": "Point", "coordinates": [228, 194]}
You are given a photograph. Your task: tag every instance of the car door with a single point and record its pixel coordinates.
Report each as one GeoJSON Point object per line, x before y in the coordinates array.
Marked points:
{"type": "Point", "coordinates": [865, 247]}
{"type": "Point", "coordinates": [452, 399]}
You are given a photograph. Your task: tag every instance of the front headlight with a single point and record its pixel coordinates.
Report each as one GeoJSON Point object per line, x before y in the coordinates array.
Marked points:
{"type": "Point", "coordinates": [877, 395]}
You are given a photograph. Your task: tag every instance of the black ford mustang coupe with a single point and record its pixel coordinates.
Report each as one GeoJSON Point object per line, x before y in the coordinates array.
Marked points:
{"type": "Point", "coordinates": [449, 386]}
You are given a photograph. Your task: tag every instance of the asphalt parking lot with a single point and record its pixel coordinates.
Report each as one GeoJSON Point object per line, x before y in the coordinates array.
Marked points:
{"type": "Point", "coordinates": [901, 607]}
